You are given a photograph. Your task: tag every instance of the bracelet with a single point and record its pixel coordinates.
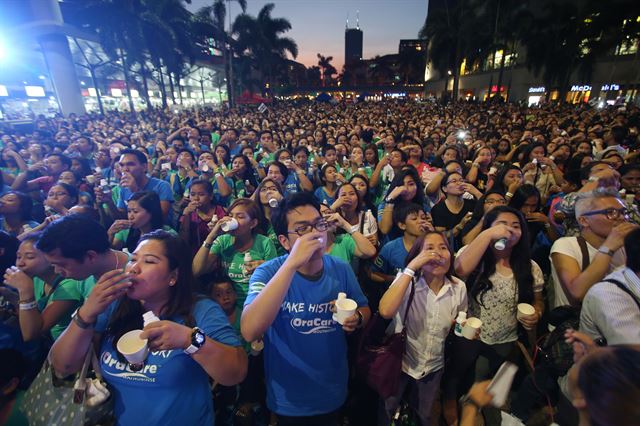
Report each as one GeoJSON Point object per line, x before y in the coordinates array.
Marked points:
{"type": "Point", "coordinates": [508, 195]}
{"type": "Point", "coordinates": [80, 322]}
{"type": "Point", "coordinates": [468, 400]}
{"type": "Point", "coordinates": [409, 271]}
{"type": "Point", "coordinates": [207, 245]}
{"type": "Point", "coordinates": [28, 306]}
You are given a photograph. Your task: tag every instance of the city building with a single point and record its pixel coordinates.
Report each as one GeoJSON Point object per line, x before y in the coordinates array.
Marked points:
{"type": "Point", "coordinates": [49, 65]}
{"type": "Point", "coordinates": [352, 44]}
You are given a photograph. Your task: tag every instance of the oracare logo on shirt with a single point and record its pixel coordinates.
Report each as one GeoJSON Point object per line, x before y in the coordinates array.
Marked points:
{"type": "Point", "coordinates": [123, 370]}
{"type": "Point", "coordinates": [308, 324]}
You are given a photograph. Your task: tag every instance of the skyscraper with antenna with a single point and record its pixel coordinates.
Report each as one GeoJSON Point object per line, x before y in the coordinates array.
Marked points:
{"type": "Point", "coordinates": [353, 42]}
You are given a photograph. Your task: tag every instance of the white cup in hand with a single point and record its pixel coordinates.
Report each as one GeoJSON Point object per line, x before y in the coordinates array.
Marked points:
{"type": "Point", "coordinates": [345, 308]}
{"type": "Point", "coordinates": [471, 328]}
{"type": "Point", "coordinates": [525, 310]}
{"type": "Point", "coordinates": [133, 348]}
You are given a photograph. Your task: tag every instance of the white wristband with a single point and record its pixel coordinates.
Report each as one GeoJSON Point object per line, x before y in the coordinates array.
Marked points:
{"type": "Point", "coordinates": [28, 306]}
{"type": "Point", "coordinates": [409, 271]}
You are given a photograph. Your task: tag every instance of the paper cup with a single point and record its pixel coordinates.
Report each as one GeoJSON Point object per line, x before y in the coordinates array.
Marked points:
{"type": "Point", "coordinates": [525, 310]}
{"type": "Point", "coordinates": [471, 327]}
{"type": "Point", "coordinates": [230, 225]}
{"type": "Point", "coordinates": [344, 309]}
{"type": "Point", "coordinates": [91, 179]}
{"type": "Point", "coordinates": [133, 348]}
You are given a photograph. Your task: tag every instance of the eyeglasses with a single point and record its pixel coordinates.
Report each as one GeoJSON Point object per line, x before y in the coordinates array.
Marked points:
{"type": "Point", "coordinates": [457, 181]}
{"type": "Point", "coordinates": [321, 225]}
{"type": "Point", "coordinates": [611, 214]}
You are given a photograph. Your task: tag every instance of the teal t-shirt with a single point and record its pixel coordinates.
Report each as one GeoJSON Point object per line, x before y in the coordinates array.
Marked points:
{"type": "Point", "coordinates": [66, 289]}
{"type": "Point", "coordinates": [233, 261]}
{"type": "Point", "coordinates": [344, 248]}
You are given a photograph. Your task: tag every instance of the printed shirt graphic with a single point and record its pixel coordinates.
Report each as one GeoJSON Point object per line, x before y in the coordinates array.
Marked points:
{"type": "Point", "coordinates": [172, 388]}
{"type": "Point", "coordinates": [305, 351]}
{"type": "Point", "coordinates": [233, 260]}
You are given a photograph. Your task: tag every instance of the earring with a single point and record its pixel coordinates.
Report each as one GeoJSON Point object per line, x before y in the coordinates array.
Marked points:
{"type": "Point", "coordinates": [172, 282]}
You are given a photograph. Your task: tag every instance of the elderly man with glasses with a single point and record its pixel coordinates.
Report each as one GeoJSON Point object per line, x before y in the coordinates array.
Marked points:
{"type": "Point", "coordinates": [290, 303]}
{"type": "Point", "coordinates": [581, 261]}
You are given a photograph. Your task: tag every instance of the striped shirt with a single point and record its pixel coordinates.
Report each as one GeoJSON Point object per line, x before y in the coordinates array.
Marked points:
{"type": "Point", "coordinates": [610, 313]}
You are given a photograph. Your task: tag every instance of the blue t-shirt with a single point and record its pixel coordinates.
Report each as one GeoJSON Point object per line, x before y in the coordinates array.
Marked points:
{"type": "Point", "coordinates": [160, 187]}
{"type": "Point", "coordinates": [305, 353]}
{"type": "Point", "coordinates": [321, 195]}
{"type": "Point", "coordinates": [291, 184]}
{"type": "Point", "coordinates": [172, 388]}
{"type": "Point", "coordinates": [391, 257]}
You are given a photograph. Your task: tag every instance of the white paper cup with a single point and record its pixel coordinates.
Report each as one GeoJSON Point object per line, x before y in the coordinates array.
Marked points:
{"type": "Point", "coordinates": [471, 327]}
{"type": "Point", "coordinates": [133, 348]}
{"type": "Point", "coordinates": [229, 225]}
{"type": "Point", "coordinates": [91, 179]}
{"type": "Point", "coordinates": [344, 309]}
{"type": "Point", "coordinates": [525, 310]}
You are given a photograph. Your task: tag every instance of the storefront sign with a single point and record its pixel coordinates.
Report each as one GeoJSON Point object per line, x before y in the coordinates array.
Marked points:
{"type": "Point", "coordinates": [540, 89]}
{"type": "Point", "coordinates": [612, 86]}
{"type": "Point", "coordinates": [576, 88]}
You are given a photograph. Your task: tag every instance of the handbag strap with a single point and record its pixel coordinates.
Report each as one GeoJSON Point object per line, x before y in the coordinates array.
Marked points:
{"type": "Point", "coordinates": [411, 294]}
{"type": "Point", "coordinates": [86, 363]}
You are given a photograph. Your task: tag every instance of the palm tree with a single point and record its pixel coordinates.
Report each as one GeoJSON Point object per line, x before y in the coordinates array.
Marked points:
{"type": "Point", "coordinates": [314, 75]}
{"type": "Point", "coordinates": [261, 39]}
{"type": "Point", "coordinates": [212, 19]}
{"type": "Point", "coordinates": [328, 70]}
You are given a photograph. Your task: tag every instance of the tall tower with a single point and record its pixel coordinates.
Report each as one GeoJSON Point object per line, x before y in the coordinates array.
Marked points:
{"type": "Point", "coordinates": [353, 42]}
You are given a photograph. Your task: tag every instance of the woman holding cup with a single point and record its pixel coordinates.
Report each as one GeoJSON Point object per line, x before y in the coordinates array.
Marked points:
{"type": "Point", "coordinates": [231, 239]}
{"type": "Point", "coordinates": [437, 299]}
{"type": "Point", "coordinates": [499, 266]}
{"type": "Point", "coordinates": [199, 216]}
{"type": "Point", "coordinates": [192, 343]}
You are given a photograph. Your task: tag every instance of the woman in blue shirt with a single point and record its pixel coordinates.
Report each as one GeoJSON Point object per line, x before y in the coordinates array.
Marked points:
{"type": "Point", "coordinates": [192, 343]}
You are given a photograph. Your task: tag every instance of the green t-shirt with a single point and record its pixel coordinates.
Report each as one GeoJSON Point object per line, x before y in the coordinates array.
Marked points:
{"type": "Point", "coordinates": [233, 261]}
{"type": "Point", "coordinates": [344, 248]}
{"type": "Point", "coordinates": [65, 290]}
{"type": "Point", "coordinates": [274, 238]}
{"type": "Point", "coordinates": [85, 286]}
{"type": "Point", "coordinates": [263, 161]}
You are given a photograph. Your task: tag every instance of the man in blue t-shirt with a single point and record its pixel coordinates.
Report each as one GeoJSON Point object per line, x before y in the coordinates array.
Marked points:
{"type": "Point", "coordinates": [290, 303]}
{"type": "Point", "coordinates": [133, 165]}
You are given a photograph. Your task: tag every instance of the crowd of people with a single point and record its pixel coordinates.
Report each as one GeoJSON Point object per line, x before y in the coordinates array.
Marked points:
{"type": "Point", "coordinates": [241, 231]}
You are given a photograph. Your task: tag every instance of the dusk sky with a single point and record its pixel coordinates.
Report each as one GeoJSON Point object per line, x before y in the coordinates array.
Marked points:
{"type": "Point", "coordinates": [318, 25]}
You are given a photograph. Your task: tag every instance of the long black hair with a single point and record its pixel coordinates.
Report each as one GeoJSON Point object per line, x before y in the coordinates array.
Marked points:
{"type": "Point", "coordinates": [150, 201]}
{"type": "Point", "coordinates": [519, 260]}
{"type": "Point", "coordinates": [398, 180]}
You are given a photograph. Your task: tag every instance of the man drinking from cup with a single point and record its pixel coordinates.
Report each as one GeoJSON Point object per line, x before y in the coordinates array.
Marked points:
{"type": "Point", "coordinates": [290, 303]}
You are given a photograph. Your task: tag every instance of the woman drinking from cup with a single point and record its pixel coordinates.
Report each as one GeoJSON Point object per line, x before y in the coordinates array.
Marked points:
{"type": "Point", "coordinates": [327, 192]}
{"type": "Point", "coordinates": [192, 343]}
{"type": "Point", "coordinates": [60, 199]}
{"type": "Point", "coordinates": [236, 243]}
{"type": "Point", "coordinates": [504, 276]}
{"type": "Point", "coordinates": [351, 207]}
{"type": "Point", "coordinates": [437, 298]}
{"type": "Point", "coordinates": [405, 188]}
{"type": "Point", "coordinates": [144, 215]}
{"type": "Point", "coordinates": [268, 195]}
{"type": "Point", "coordinates": [15, 213]}
{"type": "Point", "coordinates": [46, 299]}
{"type": "Point", "coordinates": [348, 245]}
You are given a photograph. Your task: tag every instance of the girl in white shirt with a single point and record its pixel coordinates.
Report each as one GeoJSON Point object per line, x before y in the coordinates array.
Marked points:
{"type": "Point", "coordinates": [436, 302]}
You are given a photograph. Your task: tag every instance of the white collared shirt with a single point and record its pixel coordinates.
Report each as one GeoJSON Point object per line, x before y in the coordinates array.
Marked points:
{"type": "Point", "coordinates": [430, 318]}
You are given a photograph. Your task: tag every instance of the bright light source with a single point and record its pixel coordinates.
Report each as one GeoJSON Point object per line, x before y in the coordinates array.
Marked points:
{"type": "Point", "coordinates": [41, 77]}
{"type": "Point", "coordinates": [601, 104]}
{"type": "Point", "coordinates": [3, 91]}
{"type": "Point", "coordinates": [82, 83]}
{"type": "Point", "coordinates": [116, 93]}
{"type": "Point", "coordinates": [134, 93]}
{"type": "Point", "coordinates": [462, 134]}
{"type": "Point", "coordinates": [34, 91]}
{"type": "Point", "coordinates": [92, 92]}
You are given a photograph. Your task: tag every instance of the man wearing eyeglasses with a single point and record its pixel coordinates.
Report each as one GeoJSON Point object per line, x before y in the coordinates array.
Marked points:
{"type": "Point", "coordinates": [290, 303]}
{"type": "Point", "coordinates": [581, 261]}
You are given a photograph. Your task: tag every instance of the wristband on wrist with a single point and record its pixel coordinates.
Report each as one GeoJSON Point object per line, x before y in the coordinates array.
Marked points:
{"type": "Point", "coordinates": [29, 300]}
{"type": "Point", "coordinates": [408, 271]}
{"type": "Point", "coordinates": [207, 245]}
{"type": "Point", "coordinates": [508, 195]}
{"type": "Point", "coordinates": [28, 306]}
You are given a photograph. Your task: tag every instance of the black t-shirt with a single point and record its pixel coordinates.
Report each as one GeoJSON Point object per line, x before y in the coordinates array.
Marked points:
{"type": "Point", "coordinates": [444, 218]}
